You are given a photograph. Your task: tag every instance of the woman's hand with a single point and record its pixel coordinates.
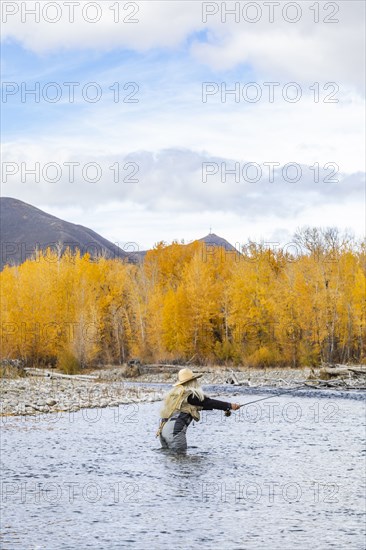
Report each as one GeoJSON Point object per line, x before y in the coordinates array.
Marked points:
{"type": "Point", "coordinates": [235, 406]}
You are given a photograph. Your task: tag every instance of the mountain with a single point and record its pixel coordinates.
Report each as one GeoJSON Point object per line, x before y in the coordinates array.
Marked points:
{"type": "Point", "coordinates": [211, 240]}
{"type": "Point", "coordinates": [24, 228]}
{"type": "Point", "coordinates": [215, 240]}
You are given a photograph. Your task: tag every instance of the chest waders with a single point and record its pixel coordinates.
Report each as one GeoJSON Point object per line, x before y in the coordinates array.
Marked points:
{"type": "Point", "coordinates": [172, 430]}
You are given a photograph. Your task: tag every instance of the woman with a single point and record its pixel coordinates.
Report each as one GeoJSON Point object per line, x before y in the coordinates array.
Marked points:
{"type": "Point", "coordinates": [182, 405]}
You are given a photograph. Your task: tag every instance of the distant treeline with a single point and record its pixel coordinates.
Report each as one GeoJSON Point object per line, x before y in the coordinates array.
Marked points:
{"type": "Point", "coordinates": [301, 305]}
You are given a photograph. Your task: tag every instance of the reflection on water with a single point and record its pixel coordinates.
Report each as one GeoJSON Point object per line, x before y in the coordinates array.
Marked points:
{"type": "Point", "coordinates": [283, 474]}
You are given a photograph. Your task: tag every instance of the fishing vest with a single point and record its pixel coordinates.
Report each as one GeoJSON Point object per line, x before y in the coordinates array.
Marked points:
{"type": "Point", "coordinates": [177, 400]}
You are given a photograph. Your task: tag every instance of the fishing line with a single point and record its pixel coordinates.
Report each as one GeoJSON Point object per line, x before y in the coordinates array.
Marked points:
{"type": "Point", "coordinates": [228, 413]}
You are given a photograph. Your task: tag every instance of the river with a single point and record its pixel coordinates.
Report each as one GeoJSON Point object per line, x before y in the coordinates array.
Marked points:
{"type": "Point", "coordinates": [286, 473]}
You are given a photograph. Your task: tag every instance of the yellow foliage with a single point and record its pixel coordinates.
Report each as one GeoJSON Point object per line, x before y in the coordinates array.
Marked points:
{"type": "Point", "coordinates": [261, 308]}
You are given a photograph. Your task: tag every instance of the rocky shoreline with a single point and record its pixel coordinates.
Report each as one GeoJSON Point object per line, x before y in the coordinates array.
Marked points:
{"type": "Point", "coordinates": [111, 387]}
{"type": "Point", "coordinates": [34, 396]}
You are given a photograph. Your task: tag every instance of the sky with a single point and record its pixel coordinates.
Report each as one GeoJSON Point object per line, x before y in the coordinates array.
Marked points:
{"type": "Point", "coordinates": [155, 121]}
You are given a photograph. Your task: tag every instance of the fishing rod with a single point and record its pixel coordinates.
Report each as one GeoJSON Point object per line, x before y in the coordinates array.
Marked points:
{"type": "Point", "coordinates": [228, 413]}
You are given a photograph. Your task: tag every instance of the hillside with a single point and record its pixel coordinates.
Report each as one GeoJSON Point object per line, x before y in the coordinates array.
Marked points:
{"type": "Point", "coordinates": [24, 228]}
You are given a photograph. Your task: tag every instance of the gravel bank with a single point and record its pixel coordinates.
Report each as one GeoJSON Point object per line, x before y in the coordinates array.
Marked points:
{"type": "Point", "coordinates": [219, 375]}
{"type": "Point", "coordinates": [32, 396]}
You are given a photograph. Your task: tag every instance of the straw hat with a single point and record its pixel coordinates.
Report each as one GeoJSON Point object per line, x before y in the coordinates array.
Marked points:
{"type": "Point", "coordinates": [186, 375]}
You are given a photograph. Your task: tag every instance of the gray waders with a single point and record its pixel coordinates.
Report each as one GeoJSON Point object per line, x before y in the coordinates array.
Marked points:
{"type": "Point", "coordinates": [173, 433]}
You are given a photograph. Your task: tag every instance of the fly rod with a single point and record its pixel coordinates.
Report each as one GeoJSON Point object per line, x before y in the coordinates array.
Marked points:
{"type": "Point", "coordinates": [228, 413]}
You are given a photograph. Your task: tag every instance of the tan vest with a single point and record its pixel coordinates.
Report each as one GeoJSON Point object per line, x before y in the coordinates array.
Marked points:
{"type": "Point", "coordinates": [177, 400]}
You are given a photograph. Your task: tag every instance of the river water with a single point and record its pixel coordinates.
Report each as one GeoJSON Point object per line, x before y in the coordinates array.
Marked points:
{"type": "Point", "coordinates": [286, 473]}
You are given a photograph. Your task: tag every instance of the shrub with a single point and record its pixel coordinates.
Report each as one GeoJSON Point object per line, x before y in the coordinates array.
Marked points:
{"type": "Point", "coordinates": [68, 363]}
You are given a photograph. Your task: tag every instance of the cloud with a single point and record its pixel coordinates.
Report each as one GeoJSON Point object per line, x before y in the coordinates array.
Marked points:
{"type": "Point", "coordinates": [171, 200]}
{"type": "Point", "coordinates": [139, 26]}
{"type": "Point", "coordinates": [171, 132]}
{"type": "Point", "coordinates": [181, 180]}
{"type": "Point", "coordinates": [175, 117]}
{"type": "Point", "coordinates": [305, 49]}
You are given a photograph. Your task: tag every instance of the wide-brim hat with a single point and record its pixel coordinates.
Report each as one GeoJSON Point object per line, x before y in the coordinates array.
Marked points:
{"type": "Point", "coordinates": [186, 375]}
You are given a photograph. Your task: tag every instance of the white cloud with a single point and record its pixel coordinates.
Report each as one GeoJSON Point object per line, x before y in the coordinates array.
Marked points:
{"type": "Point", "coordinates": [302, 50]}
{"type": "Point", "coordinates": [171, 185]}
{"type": "Point", "coordinates": [127, 222]}
{"type": "Point", "coordinates": [158, 24]}
{"type": "Point", "coordinates": [303, 132]}
{"type": "Point", "coordinates": [171, 132]}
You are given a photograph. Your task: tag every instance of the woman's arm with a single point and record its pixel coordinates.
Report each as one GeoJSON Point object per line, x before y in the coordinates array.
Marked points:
{"type": "Point", "coordinates": [209, 404]}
